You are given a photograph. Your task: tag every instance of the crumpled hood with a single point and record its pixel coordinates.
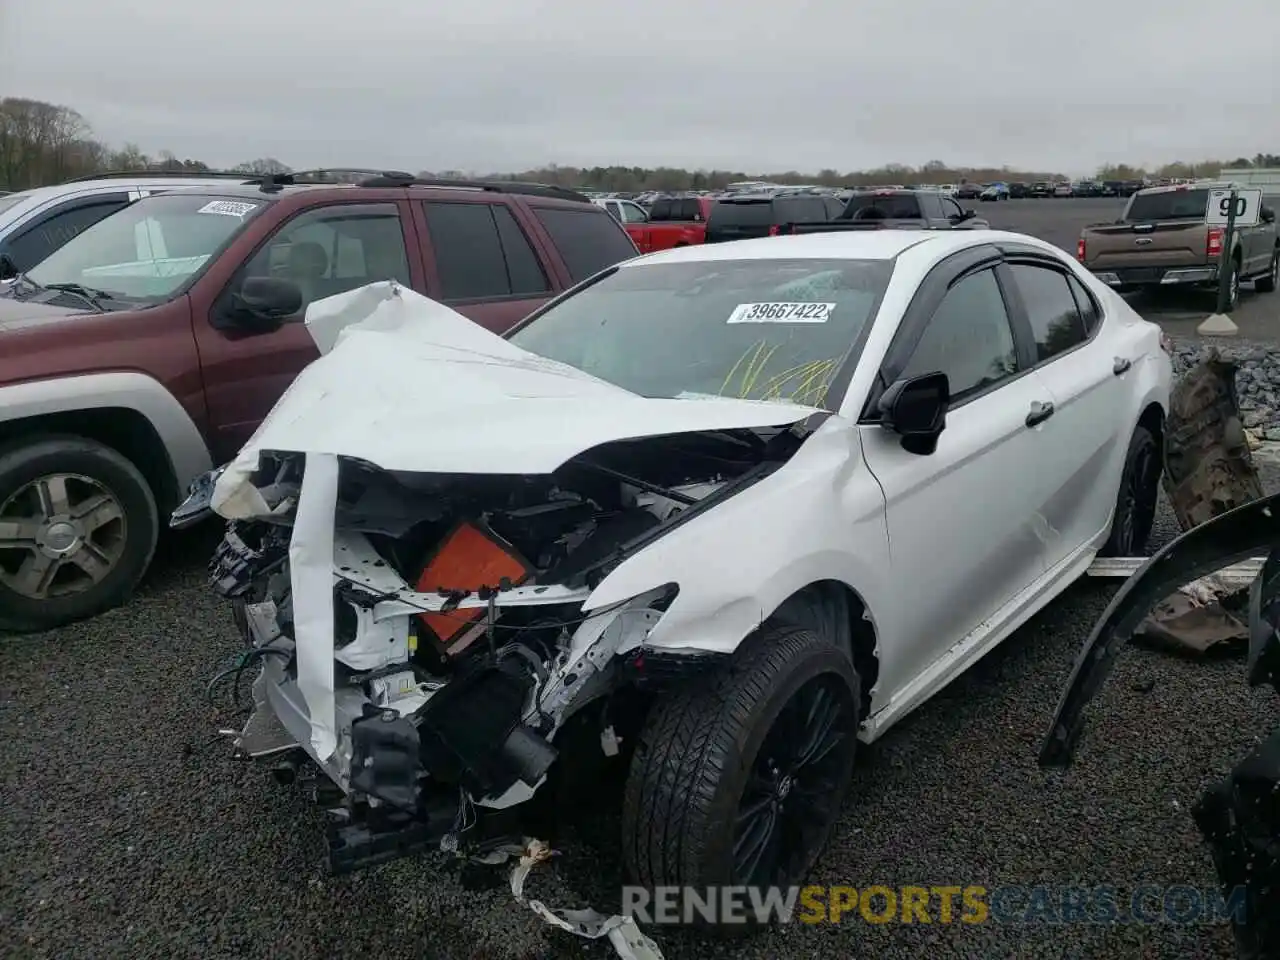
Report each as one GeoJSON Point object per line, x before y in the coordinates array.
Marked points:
{"type": "Point", "coordinates": [408, 384]}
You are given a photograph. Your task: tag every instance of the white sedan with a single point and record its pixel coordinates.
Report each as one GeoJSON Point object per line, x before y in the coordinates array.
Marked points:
{"type": "Point", "coordinates": [720, 513]}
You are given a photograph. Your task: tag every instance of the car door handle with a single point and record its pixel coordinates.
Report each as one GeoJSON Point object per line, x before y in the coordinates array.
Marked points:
{"type": "Point", "coordinates": [1040, 412]}
{"type": "Point", "coordinates": [1121, 365]}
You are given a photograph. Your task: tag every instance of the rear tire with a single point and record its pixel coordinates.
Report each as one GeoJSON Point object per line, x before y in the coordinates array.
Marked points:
{"type": "Point", "coordinates": [1136, 499]}
{"type": "Point", "coordinates": [1267, 283]}
{"type": "Point", "coordinates": [1233, 285]}
{"type": "Point", "coordinates": [721, 762]}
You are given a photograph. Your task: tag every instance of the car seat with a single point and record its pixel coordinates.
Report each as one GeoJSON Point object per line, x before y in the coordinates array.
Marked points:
{"type": "Point", "coordinates": [308, 264]}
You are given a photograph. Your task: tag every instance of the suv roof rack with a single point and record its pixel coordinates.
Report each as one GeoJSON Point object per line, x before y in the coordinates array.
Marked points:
{"type": "Point", "coordinates": [139, 174]}
{"type": "Point", "coordinates": [393, 179]}
{"type": "Point", "coordinates": [274, 182]}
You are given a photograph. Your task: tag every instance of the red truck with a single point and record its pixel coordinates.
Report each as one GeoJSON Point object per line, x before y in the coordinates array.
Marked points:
{"type": "Point", "coordinates": [675, 222]}
{"type": "Point", "coordinates": [149, 347]}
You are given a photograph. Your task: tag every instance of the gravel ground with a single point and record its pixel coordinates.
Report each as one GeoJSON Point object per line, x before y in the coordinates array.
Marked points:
{"type": "Point", "coordinates": [126, 833]}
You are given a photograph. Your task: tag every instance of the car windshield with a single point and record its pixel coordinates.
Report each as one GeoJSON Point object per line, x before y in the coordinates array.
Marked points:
{"type": "Point", "coordinates": [775, 330]}
{"type": "Point", "coordinates": [151, 248]}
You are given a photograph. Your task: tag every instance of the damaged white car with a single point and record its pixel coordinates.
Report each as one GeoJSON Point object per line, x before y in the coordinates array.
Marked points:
{"type": "Point", "coordinates": [719, 513]}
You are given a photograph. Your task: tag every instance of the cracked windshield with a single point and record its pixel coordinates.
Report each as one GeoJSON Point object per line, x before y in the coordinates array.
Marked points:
{"type": "Point", "coordinates": [653, 481]}
{"type": "Point", "coordinates": [756, 330]}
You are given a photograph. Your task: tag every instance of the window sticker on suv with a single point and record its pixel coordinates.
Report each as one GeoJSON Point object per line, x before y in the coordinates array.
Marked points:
{"type": "Point", "coordinates": [228, 208]}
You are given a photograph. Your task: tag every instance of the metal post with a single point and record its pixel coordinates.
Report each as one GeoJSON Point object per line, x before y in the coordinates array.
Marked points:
{"type": "Point", "coordinates": [1224, 259]}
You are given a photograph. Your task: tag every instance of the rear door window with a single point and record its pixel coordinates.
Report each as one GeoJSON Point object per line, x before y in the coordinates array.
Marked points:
{"type": "Point", "coordinates": [1088, 307]}
{"type": "Point", "coordinates": [1055, 318]}
{"type": "Point", "coordinates": [663, 210]}
{"type": "Point", "coordinates": [481, 252]}
{"type": "Point", "coordinates": [588, 241]}
{"type": "Point", "coordinates": [690, 209]}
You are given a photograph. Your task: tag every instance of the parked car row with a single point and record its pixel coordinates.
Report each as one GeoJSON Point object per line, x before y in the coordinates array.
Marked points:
{"type": "Point", "coordinates": [681, 222]}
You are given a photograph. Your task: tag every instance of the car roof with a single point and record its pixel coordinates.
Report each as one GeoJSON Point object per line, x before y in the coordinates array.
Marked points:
{"type": "Point", "coordinates": [115, 184]}
{"type": "Point", "coordinates": [852, 245]}
{"type": "Point", "coordinates": [836, 245]}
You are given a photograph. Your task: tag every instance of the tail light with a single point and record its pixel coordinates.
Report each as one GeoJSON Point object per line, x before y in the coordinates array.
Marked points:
{"type": "Point", "coordinates": [1165, 343]}
{"type": "Point", "coordinates": [773, 230]}
{"type": "Point", "coordinates": [1213, 244]}
{"type": "Point", "coordinates": [1080, 249]}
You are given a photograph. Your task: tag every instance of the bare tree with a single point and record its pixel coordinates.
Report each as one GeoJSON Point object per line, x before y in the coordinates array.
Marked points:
{"type": "Point", "coordinates": [264, 166]}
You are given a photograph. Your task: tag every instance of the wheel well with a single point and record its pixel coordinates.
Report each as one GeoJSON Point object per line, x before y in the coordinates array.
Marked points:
{"type": "Point", "coordinates": [1153, 419]}
{"type": "Point", "coordinates": [835, 608]}
{"type": "Point", "coordinates": [126, 431]}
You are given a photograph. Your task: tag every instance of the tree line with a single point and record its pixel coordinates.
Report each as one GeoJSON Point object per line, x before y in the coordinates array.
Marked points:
{"type": "Point", "coordinates": [43, 143]}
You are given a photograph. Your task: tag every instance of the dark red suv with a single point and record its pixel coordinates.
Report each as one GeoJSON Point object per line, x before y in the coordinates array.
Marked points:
{"type": "Point", "coordinates": [150, 346]}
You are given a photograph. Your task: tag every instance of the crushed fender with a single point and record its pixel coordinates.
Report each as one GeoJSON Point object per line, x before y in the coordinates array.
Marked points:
{"type": "Point", "coordinates": [622, 932]}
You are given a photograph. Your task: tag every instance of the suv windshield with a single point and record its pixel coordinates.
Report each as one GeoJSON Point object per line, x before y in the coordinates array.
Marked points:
{"type": "Point", "coordinates": [151, 248]}
{"type": "Point", "coordinates": [756, 329]}
{"type": "Point", "coordinates": [1169, 205]}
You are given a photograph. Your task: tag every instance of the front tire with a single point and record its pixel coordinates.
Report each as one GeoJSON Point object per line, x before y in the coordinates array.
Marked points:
{"type": "Point", "coordinates": [738, 778]}
{"type": "Point", "coordinates": [1136, 499]}
{"type": "Point", "coordinates": [78, 527]}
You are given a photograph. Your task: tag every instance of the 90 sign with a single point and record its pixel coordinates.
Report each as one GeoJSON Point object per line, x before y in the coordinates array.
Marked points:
{"type": "Point", "coordinates": [1247, 205]}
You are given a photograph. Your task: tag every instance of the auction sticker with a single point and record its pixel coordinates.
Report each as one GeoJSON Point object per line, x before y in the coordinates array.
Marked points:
{"type": "Point", "coordinates": [781, 313]}
{"type": "Point", "coordinates": [228, 208]}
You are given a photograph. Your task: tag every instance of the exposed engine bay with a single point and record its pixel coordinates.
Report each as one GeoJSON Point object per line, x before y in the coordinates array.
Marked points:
{"type": "Point", "coordinates": [460, 644]}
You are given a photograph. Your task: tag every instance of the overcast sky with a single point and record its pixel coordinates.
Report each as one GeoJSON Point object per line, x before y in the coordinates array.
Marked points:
{"type": "Point", "coordinates": [489, 85]}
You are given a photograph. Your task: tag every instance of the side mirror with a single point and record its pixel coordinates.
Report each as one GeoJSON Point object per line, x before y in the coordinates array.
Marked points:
{"type": "Point", "coordinates": [263, 302]}
{"type": "Point", "coordinates": [8, 269]}
{"type": "Point", "coordinates": [916, 410]}
{"type": "Point", "coordinates": [1266, 214]}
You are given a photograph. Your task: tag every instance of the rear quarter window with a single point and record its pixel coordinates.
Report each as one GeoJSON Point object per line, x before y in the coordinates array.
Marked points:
{"type": "Point", "coordinates": [588, 240]}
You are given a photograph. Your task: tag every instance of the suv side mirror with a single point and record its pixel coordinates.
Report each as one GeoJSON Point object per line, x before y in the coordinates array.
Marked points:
{"type": "Point", "coordinates": [8, 269]}
{"type": "Point", "coordinates": [1266, 214]}
{"type": "Point", "coordinates": [262, 303]}
{"type": "Point", "coordinates": [916, 410]}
